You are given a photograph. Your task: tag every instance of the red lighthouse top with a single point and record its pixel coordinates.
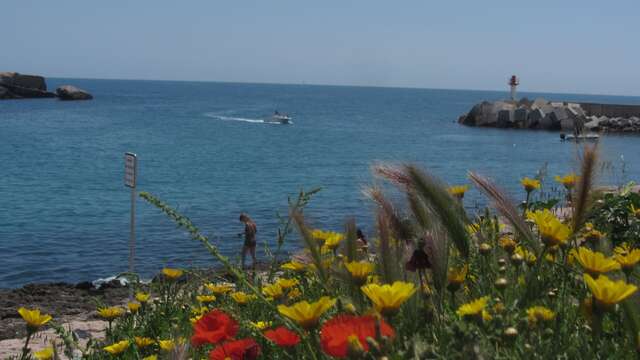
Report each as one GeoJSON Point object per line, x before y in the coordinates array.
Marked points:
{"type": "Point", "coordinates": [514, 80]}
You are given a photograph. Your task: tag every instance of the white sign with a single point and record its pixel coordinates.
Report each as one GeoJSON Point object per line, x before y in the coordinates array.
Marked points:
{"type": "Point", "coordinates": [130, 169]}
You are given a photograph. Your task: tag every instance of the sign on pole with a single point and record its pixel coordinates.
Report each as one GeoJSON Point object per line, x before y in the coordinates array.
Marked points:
{"type": "Point", "coordinates": [130, 162]}
{"type": "Point", "coordinates": [130, 175]}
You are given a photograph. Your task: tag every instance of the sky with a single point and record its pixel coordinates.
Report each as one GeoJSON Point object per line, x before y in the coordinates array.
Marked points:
{"type": "Point", "coordinates": [553, 46]}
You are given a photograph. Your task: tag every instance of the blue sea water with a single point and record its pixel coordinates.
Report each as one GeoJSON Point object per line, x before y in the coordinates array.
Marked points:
{"type": "Point", "coordinates": [203, 147]}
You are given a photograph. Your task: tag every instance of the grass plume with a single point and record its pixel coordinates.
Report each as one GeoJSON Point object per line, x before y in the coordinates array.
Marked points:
{"type": "Point", "coordinates": [586, 180]}
{"type": "Point", "coordinates": [505, 207]}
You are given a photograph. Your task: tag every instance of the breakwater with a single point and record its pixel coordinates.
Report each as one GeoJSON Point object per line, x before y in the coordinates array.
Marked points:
{"type": "Point", "coordinates": [550, 115]}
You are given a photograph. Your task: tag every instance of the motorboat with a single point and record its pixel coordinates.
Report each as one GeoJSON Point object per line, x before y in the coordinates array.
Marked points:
{"type": "Point", "coordinates": [579, 137]}
{"type": "Point", "coordinates": [281, 118]}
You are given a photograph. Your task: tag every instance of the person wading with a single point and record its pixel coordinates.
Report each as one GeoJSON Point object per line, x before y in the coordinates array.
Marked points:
{"type": "Point", "coordinates": [250, 231]}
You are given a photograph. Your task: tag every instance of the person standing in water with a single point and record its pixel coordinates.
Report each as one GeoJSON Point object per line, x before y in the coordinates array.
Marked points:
{"type": "Point", "coordinates": [249, 245]}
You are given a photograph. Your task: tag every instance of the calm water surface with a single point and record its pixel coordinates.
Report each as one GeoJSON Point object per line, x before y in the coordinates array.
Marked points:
{"type": "Point", "coordinates": [203, 147]}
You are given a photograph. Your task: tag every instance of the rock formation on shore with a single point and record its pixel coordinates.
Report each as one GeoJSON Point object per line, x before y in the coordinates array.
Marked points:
{"type": "Point", "coordinates": [19, 86]}
{"type": "Point", "coordinates": [68, 92]}
{"type": "Point", "coordinates": [546, 115]}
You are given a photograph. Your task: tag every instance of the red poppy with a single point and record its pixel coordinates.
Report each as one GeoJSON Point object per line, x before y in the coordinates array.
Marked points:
{"type": "Point", "coordinates": [282, 336]}
{"type": "Point", "coordinates": [335, 333]}
{"type": "Point", "coordinates": [243, 349]}
{"type": "Point", "coordinates": [214, 327]}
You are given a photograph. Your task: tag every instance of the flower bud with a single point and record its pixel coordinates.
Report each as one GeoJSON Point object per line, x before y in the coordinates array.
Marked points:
{"type": "Point", "coordinates": [485, 249]}
{"type": "Point", "coordinates": [510, 333]}
{"type": "Point", "coordinates": [502, 262]}
{"type": "Point", "coordinates": [516, 259]}
{"type": "Point", "coordinates": [501, 283]}
{"type": "Point", "coordinates": [354, 347]}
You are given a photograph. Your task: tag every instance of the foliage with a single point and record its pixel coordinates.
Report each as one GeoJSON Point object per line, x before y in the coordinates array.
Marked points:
{"type": "Point", "coordinates": [613, 215]}
{"type": "Point", "coordinates": [434, 283]}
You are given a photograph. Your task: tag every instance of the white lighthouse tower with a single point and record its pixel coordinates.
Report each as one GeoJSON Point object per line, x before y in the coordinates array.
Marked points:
{"type": "Point", "coordinates": [513, 83]}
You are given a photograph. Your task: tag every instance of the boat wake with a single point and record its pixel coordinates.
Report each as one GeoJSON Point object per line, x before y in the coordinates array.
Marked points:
{"type": "Point", "coordinates": [231, 118]}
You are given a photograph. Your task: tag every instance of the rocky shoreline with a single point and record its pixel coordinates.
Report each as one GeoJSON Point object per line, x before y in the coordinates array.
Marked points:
{"type": "Point", "coordinates": [554, 116]}
{"type": "Point", "coordinates": [19, 86]}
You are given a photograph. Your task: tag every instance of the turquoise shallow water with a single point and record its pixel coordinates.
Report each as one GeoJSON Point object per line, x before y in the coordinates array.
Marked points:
{"type": "Point", "coordinates": [64, 211]}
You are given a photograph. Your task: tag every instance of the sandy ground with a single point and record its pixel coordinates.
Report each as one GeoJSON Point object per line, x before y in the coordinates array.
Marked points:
{"type": "Point", "coordinates": [71, 305]}
{"type": "Point", "coordinates": [85, 329]}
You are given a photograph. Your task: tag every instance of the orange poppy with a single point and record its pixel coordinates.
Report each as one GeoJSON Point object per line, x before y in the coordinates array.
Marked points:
{"type": "Point", "coordinates": [214, 327]}
{"type": "Point", "coordinates": [243, 349]}
{"type": "Point", "coordinates": [282, 336]}
{"type": "Point", "coordinates": [337, 333]}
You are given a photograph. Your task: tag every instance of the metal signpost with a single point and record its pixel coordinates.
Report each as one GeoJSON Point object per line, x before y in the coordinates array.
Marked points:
{"type": "Point", "coordinates": [130, 175]}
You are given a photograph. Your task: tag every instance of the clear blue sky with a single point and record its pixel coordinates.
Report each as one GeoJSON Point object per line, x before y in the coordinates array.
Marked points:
{"type": "Point", "coordinates": [557, 46]}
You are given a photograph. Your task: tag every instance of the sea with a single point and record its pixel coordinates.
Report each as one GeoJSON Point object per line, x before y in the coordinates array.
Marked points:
{"type": "Point", "coordinates": [209, 150]}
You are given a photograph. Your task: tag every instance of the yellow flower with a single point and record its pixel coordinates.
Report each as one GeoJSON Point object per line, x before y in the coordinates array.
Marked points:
{"type": "Point", "coordinates": [388, 298]}
{"type": "Point", "coordinates": [294, 294]}
{"type": "Point", "coordinates": [527, 255]}
{"type": "Point", "coordinates": [133, 306]}
{"type": "Point", "coordinates": [195, 319]}
{"type": "Point", "coordinates": [219, 289]}
{"type": "Point", "coordinates": [44, 354]}
{"type": "Point", "coordinates": [622, 249]}
{"type": "Point", "coordinates": [261, 325]}
{"type": "Point", "coordinates": [456, 277]}
{"type": "Point", "coordinates": [143, 341]}
{"type": "Point", "coordinates": [319, 234]}
{"type": "Point", "coordinates": [359, 270]}
{"type": "Point", "coordinates": [172, 274]}
{"type": "Point", "coordinates": [206, 298]}
{"type": "Point", "coordinates": [458, 191]}
{"type": "Point", "coordinates": [507, 243]}
{"type": "Point", "coordinates": [241, 297]}
{"type": "Point", "coordinates": [273, 291]}
{"type": "Point", "coordinates": [151, 357]}
{"type": "Point", "coordinates": [142, 297]}
{"type": "Point", "coordinates": [474, 308]}
{"type": "Point", "coordinates": [594, 263]}
{"type": "Point", "coordinates": [34, 318]}
{"type": "Point", "coordinates": [473, 229]}
{"type": "Point", "coordinates": [111, 312]}
{"type": "Point", "coordinates": [541, 216]}
{"type": "Point", "coordinates": [552, 230]}
{"type": "Point", "coordinates": [307, 314]}
{"type": "Point", "coordinates": [568, 181]}
{"type": "Point", "coordinates": [333, 240]}
{"type": "Point", "coordinates": [286, 283]}
{"type": "Point", "coordinates": [530, 184]}
{"type": "Point", "coordinates": [628, 261]}
{"type": "Point", "coordinates": [593, 235]}
{"type": "Point", "coordinates": [537, 314]}
{"type": "Point", "coordinates": [635, 212]}
{"type": "Point", "coordinates": [294, 266]}
{"type": "Point", "coordinates": [117, 348]}
{"type": "Point", "coordinates": [607, 292]}
{"type": "Point", "coordinates": [166, 345]}
{"type": "Point", "coordinates": [199, 310]}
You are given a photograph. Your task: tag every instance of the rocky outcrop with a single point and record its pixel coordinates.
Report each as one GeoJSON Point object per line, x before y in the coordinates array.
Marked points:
{"type": "Point", "coordinates": [18, 86]}
{"type": "Point", "coordinates": [68, 92]}
{"type": "Point", "coordinates": [542, 114]}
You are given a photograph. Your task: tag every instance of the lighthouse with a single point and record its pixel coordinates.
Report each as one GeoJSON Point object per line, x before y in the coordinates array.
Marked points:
{"type": "Point", "coordinates": [513, 83]}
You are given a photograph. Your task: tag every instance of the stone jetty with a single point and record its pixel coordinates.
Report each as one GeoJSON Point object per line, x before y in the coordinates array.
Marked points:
{"type": "Point", "coordinates": [558, 116]}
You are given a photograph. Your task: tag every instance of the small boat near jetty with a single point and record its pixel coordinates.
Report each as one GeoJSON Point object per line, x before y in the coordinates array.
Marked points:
{"type": "Point", "coordinates": [579, 137]}
{"type": "Point", "coordinates": [280, 118]}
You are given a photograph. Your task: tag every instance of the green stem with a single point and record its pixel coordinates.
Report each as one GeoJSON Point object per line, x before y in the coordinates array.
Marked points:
{"type": "Point", "coordinates": [25, 349]}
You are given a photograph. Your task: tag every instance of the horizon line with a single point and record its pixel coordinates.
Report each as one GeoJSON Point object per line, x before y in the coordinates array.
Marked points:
{"type": "Point", "coordinates": [339, 85]}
